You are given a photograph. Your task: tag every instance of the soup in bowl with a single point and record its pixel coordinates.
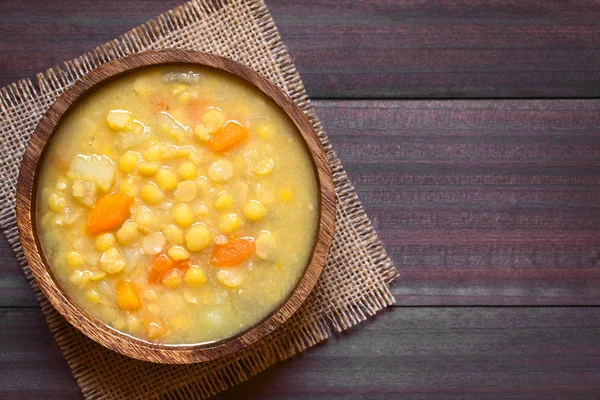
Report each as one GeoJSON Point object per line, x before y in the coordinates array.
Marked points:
{"type": "Point", "coordinates": [177, 206]}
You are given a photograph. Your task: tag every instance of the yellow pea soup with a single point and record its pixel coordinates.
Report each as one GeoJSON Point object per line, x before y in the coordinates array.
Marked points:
{"type": "Point", "coordinates": [177, 204]}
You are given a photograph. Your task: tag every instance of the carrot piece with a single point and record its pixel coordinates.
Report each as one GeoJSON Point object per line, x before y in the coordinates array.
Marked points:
{"type": "Point", "coordinates": [127, 296]}
{"type": "Point", "coordinates": [230, 135]}
{"type": "Point", "coordinates": [108, 213]}
{"type": "Point", "coordinates": [183, 265]}
{"type": "Point", "coordinates": [236, 250]}
{"type": "Point", "coordinates": [155, 327]}
{"type": "Point", "coordinates": [163, 264]}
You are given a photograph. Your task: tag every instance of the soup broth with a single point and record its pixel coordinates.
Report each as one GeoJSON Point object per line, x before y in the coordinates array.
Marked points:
{"type": "Point", "coordinates": [177, 204]}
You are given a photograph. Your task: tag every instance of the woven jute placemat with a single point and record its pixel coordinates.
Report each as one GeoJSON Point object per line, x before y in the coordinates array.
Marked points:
{"type": "Point", "coordinates": [353, 286]}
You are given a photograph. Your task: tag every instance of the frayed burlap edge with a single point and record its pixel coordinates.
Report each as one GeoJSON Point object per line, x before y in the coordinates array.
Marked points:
{"type": "Point", "coordinates": [17, 97]}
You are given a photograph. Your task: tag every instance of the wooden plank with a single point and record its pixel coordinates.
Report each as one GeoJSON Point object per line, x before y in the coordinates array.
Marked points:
{"type": "Point", "coordinates": [477, 202]}
{"type": "Point", "coordinates": [346, 48]}
{"type": "Point", "coordinates": [417, 353]}
{"type": "Point", "coordinates": [14, 289]}
{"type": "Point", "coordinates": [460, 353]}
{"type": "Point", "coordinates": [31, 364]}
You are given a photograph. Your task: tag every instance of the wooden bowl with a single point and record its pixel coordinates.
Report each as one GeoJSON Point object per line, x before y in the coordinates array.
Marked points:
{"type": "Point", "coordinates": [93, 327]}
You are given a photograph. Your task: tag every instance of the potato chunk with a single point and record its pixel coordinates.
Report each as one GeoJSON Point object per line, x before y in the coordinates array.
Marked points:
{"type": "Point", "coordinates": [98, 169]}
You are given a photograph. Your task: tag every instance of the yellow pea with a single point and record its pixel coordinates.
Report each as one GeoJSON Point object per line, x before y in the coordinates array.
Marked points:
{"type": "Point", "coordinates": [195, 276]}
{"type": "Point", "coordinates": [230, 277]}
{"type": "Point", "coordinates": [285, 195]}
{"type": "Point", "coordinates": [153, 153]}
{"type": "Point", "coordinates": [229, 223]}
{"type": "Point", "coordinates": [128, 187]}
{"type": "Point", "coordinates": [265, 167]}
{"type": "Point", "coordinates": [179, 89]}
{"type": "Point", "coordinates": [200, 210]}
{"type": "Point", "coordinates": [105, 241]}
{"type": "Point", "coordinates": [183, 151]}
{"type": "Point", "coordinates": [151, 194]}
{"type": "Point", "coordinates": [118, 119]}
{"type": "Point", "coordinates": [265, 245]}
{"type": "Point", "coordinates": [148, 168]}
{"type": "Point", "coordinates": [128, 234]}
{"type": "Point", "coordinates": [128, 161]}
{"type": "Point", "coordinates": [195, 158]}
{"type": "Point", "coordinates": [56, 202]}
{"type": "Point", "coordinates": [96, 275]}
{"type": "Point", "coordinates": [112, 261]}
{"type": "Point", "coordinates": [183, 215]}
{"type": "Point", "coordinates": [186, 191]}
{"type": "Point", "coordinates": [197, 238]}
{"type": "Point", "coordinates": [79, 278]}
{"type": "Point", "coordinates": [201, 132]}
{"type": "Point", "coordinates": [254, 210]}
{"type": "Point", "coordinates": [135, 126]}
{"type": "Point", "coordinates": [178, 253]}
{"type": "Point", "coordinates": [187, 170]}
{"type": "Point", "coordinates": [167, 151]}
{"type": "Point", "coordinates": [150, 294]}
{"type": "Point", "coordinates": [93, 296]}
{"type": "Point", "coordinates": [173, 234]}
{"type": "Point", "coordinates": [75, 259]}
{"type": "Point", "coordinates": [224, 201]}
{"type": "Point", "coordinates": [214, 119]}
{"type": "Point", "coordinates": [266, 131]}
{"type": "Point", "coordinates": [166, 178]}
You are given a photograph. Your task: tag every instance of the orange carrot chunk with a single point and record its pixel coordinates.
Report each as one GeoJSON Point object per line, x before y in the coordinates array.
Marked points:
{"type": "Point", "coordinates": [234, 252]}
{"type": "Point", "coordinates": [127, 296]}
{"type": "Point", "coordinates": [163, 264]}
{"type": "Point", "coordinates": [108, 213]}
{"type": "Point", "coordinates": [230, 135]}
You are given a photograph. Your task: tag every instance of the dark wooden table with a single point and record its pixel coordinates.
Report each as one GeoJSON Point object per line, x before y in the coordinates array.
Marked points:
{"type": "Point", "coordinates": [472, 133]}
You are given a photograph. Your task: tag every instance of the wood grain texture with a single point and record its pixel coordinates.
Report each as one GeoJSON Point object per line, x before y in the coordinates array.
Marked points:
{"type": "Point", "coordinates": [32, 366]}
{"type": "Point", "coordinates": [415, 353]}
{"type": "Point", "coordinates": [479, 202]}
{"type": "Point", "coordinates": [96, 329]}
{"type": "Point", "coordinates": [360, 49]}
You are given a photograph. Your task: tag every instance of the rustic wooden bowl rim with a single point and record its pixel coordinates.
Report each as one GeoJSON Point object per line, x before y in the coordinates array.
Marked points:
{"type": "Point", "coordinates": [93, 327]}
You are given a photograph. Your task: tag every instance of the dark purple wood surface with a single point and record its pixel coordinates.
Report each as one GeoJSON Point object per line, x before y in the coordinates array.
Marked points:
{"type": "Point", "coordinates": [360, 49]}
{"type": "Point", "coordinates": [412, 353]}
{"type": "Point", "coordinates": [479, 202]}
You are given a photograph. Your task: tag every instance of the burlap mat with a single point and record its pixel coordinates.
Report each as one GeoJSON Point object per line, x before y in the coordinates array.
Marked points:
{"type": "Point", "coordinates": [354, 284]}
